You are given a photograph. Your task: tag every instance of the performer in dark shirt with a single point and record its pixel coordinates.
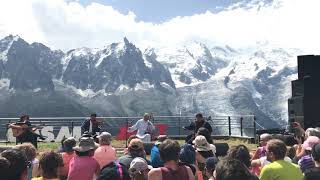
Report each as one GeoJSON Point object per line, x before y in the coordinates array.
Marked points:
{"type": "Point", "coordinates": [23, 129]}
{"type": "Point", "coordinates": [194, 126]}
{"type": "Point", "coordinates": [92, 125]}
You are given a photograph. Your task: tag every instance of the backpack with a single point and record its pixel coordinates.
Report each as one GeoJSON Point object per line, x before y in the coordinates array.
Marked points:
{"type": "Point", "coordinates": [114, 171]}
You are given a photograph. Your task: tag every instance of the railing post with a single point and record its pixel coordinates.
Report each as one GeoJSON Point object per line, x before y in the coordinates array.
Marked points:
{"type": "Point", "coordinates": [72, 125]}
{"type": "Point", "coordinates": [229, 124]}
{"type": "Point", "coordinates": [179, 125]}
{"type": "Point", "coordinates": [254, 129]}
{"type": "Point", "coordinates": [127, 126]}
{"type": "Point", "coordinates": [241, 126]}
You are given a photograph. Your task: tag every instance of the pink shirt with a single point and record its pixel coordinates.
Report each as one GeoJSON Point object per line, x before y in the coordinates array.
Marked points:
{"type": "Point", "coordinates": [66, 161]}
{"type": "Point", "coordinates": [82, 168]}
{"type": "Point", "coordinates": [104, 155]}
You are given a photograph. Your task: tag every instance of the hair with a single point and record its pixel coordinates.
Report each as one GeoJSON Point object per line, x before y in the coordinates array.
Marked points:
{"type": "Point", "coordinates": [230, 169]}
{"type": "Point", "coordinates": [169, 150]}
{"type": "Point", "coordinates": [312, 132]}
{"type": "Point", "coordinates": [105, 141]}
{"type": "Point", "coordinates": [29, 150]}
{"type": "Point", "coordinates": [206, 133]}
{"type": "Point", "coordinates": [49, 163]}
{"type": "Point", "coordinates": [93, 115]}
{"type": "Point", "coordinates": [278, 148]}
{"type": "Point", "coordinates": [240, 153]}
{"type": "Point", "coordinates": [80, 154]}
{"type": "Point", "coordinates": [4, 168]}
{"type": "Point", "coordinates": [187, 154]}
{"type": "Point", "coordinates": [199, 115]}
{"type": "Point", "coordinates": [136, 152]}
{"type": "Point", "coordinates": [291, 152]}
{"type": "Point", "coordinates": [138, 176]}
{"type": "Point", "coordinates": [24, 117]}
{"type": "Point", "coordinates": [18, 163]}
{"type": "Point", "coordinates": [131, 137]}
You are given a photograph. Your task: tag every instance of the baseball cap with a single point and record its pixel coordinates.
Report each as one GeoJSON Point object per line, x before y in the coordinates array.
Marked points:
{"type": "Point", "coordinates": [68, 144]}
{"type": "Point", "coordinates": [138, 165]}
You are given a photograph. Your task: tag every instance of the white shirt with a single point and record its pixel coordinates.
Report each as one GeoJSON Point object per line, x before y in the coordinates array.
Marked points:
{"type": "Point", "coordinates": [142, 126]}
{"type": "Point", "coordinates": [264, 161]}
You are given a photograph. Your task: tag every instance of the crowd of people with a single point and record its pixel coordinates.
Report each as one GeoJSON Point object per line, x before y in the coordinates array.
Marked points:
{"type": "Point", "coordinates": [96, 158]}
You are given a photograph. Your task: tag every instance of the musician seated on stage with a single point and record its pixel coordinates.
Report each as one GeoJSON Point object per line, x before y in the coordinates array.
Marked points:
{"type": "Point", "coordinates": [91, 125]}
{"type": "Point", "coordinates": [196, 125]}
{"type": "Point", "coordinates": [145, 128]}
{"type": "Point", "coordinates": [24, 131]}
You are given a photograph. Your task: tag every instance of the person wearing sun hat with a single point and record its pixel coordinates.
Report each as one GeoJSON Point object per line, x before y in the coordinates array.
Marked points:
{"type": "Point", "coordinates": [204, 150]}
{"type": "Point", "coordinates": [139, 169]}
{"type": "Point", "coordinates": [105, 153]}
{"type": "Point", "coordinates": [84, 166]}
{"type": "Point", "coordinates": [306, 161]}
{"type": "Point", "coordinates": [314, 173]}
{"type": "Point", "coordinates": [155, 155]}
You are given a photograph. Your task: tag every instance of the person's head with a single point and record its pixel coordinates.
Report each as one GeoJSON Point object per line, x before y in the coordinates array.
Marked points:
{"type": "Point", "coordinates": [24, 117]}
{"type": "Point", "coordinates": [204, 132]}
{"type": "Point", "coordinates": [28, 149]}
{"type": "Point", "coordinates": [93, 116]}
{"type": "Point", "coordinates": [199, 117]}
{"type": "Point", "coordinates": [86, 147]}
{"type": "Point", "coordinates": [201, 144]}
{"type": "Point", "coordinates": [315, 152]}
{"type": "Point", "coordinates": [136, 148]}
{"type": "Point", "coordinates": [139, 169]}
{"type": "Point", "coordinates": [4, 168]}
{"type": "Point", "coordinates": [240, 153]}
{"type": "Point", "coordinates": [310, 142]}
{"type": "Point", "coordinates": [105, 138]}
{"type": "Point", "coordinates": [210, 165]}
{"type": "Point", "coordinates": [291, 152]}
{"type": "Point", "coordinates": [187, 154]}
{"type": "Point", "coordinates": [264, 138]}
{"type": "Point", "coordinates": [49, 163]}
{"type": "Point", "coordinates": [18, 164]}
{"type": "Point", "coordinates": [169, 150]}
{"type": "Point", "coordinates": [69, 144]}
{"type": "Point", "coordinates": [276, 150]}
{"type": "Point", "coordinates": [231, 169]}
{"type": "Point", "coordinates": [146, 116]}
{"type": "Point", "coordinates": [312, 132]}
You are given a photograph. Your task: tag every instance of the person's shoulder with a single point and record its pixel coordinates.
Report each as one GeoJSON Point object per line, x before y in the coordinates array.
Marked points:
{"type": "Point", "coordinates": [155, 172]}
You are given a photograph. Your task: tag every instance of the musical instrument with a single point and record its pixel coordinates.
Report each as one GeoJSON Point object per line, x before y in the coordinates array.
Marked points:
{"type": "Point", "coordinates": [19, 128]}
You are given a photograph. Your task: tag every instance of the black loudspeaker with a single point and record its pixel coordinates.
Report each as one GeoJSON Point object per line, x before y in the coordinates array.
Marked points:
{"type": "Point", "coordinates": [221, 149]}
{"type": "Point", "coordinates": [304, 104]}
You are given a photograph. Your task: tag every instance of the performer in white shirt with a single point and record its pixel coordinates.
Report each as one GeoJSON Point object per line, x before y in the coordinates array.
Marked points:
{"type": "Point", "coordinates": [145, 128]}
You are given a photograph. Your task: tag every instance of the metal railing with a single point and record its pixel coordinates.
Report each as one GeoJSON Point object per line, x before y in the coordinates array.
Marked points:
{"type": "Point", "coordinates": [59, 127]}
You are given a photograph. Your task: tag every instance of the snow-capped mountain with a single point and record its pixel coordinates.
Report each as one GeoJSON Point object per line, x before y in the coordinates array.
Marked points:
{"type": "Point", "coordinates": [120, 79]}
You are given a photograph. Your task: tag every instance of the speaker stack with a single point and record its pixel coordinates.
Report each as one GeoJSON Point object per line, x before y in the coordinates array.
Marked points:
{"type": "Point", "coordinates": [303, 106]}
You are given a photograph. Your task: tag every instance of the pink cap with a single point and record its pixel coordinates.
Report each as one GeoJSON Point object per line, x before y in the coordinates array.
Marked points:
{"type": "Point", "coordinates": [310, 142]}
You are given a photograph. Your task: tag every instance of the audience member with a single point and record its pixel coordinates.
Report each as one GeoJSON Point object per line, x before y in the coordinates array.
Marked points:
{"type": "Point", "coordinates": [139, 169]}
{"type": "Point", "coordinates": [4, 168]}
{"type": "Point", "coordinates": [18, 169]}
{"type": "Point", "coordinates": [187, 157]}
{"type": "Point", "coordinates": [306, 161]}
{"type": "Point", "coordinates": [155, 155]}
{"type": "Point", "coordinates": [105, 153]}
{"type": "Point", "coordinates": [125, 151]}
{"type": "Point", "coordinates": [31, 152]}
{"type": "Point", "coordinates": [314, 173]}
{"type": "Point", "coordinates": [210, 167]}
{"type": "Point", "coordinates": [261, 151]}
{"type": "Point", "coordinates": [135, 149]}
{"type": "Point", "coordinates": [169, 153]}
{"type": "Point", "coordinates": [67, 154]}
{"type": "Point", "coordinates": [231, 169]}
{"type": "Point", "coordinates": [240, 153]}
{"type": "Point", "coordinates": [114, 170]}
{"type": "Point", "coordinates": [84, 166]}
{"type": "Point", "coordinates": [204, 150]}
{"type": "Point", "coordinates": [50, 163]}
{"type": "Point", "coordinates": [206, 133]}
{"type": "Point", "coordinates": [278, 168]}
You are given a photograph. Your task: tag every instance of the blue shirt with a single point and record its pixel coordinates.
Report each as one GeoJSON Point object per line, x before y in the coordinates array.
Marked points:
{"type": "Point", "coordinates": [155, 157]}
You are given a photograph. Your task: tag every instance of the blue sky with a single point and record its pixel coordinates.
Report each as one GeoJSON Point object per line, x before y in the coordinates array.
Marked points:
{"type": "Point", "coordinates": [158, 11]}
